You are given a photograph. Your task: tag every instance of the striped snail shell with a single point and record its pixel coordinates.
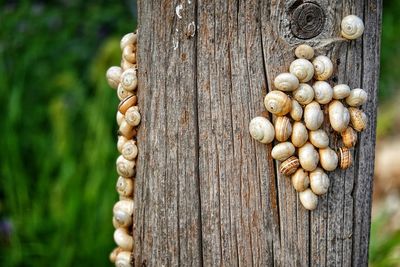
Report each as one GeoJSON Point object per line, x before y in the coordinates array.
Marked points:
{"type": "Point", "coordinates": [358, 119]}
{"type": "Point", "coordinates": [289, 166]}
{"type": "Point", "coordinates": [283, 128]}
{"type": "Point", "coordinates": [126, 103]}
{"type": "Point", "coordinates": [349, 137]}
{"type": "Point", "coordinates": [345, 158]}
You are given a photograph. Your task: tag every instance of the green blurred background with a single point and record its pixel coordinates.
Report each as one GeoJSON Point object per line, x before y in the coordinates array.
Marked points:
{"type": "Point", "coordinates": [57, 132]}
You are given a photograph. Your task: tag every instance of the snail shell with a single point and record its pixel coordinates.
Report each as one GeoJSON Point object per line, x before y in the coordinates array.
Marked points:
{"type": "Point", "coordinates": [262, 130]}
{"type": "Point", "coordinates": [349, 137]}
{"type": "Point", "coordinates": [289, 166]}
{"type": "Point", "coordinates": [120, 117]}
{"type": "Point", "coordinates": [302, 69]}
{"type": "Point", "coordinates": [277, 103]}
{"type": "Point", "coordinates": [323, 68]}
{"type": "Point", "coordinates": [121, 142]}
{"type": "Point", "coordinates": [132, 116]}
{"type": "Point", "coordinates": [313, 116]}
{"type": "Point", "coordinates": [125, 168]}
{"type": "Point", "coordinates": [129, 150]}
{"type": "Point", "coordinates": [124, 259]}
{"type": "Point", "coordinates": [123, 212]}
{"type": "Point", "coordinates": [127, 65]}
{"type": "Point", "coordinates": [328, 159]}
{"type": "Point", "coordinates": [114, 253]}
{"type": "Point", "coordinates": [304, 51]}
{"type": "Point", "coordinates": [286, 82]}
{"type": "Point", "coordinates": [299, 134]}
{"type": "Point", "coordinates": [357, 97]}
{"type": "Point", "coordinates": [308, 199]}
{"type": "Point", "coordinates": [319, 181]}
{"type": "Point", "coordinates": [297, 111]}
{"type": "Point", "coordinates": [358, 119]}
{"type": "Point", "coordinates": [319, 138]}
{"type": "Point", "coordinates": [129, 79]}
{"type": "Point", "coordinates": [282, 151]}
{"type": "Point", "coordinates": [308, 157]}
{"type": "Point", "coordinates": [300, 180]}
{"type": "Point", "coordinates": [352, 27]}
{"type": "Point", "coordinates": [323, 92]}
{"type": "Point", "coordinates": [122, 93]}
{"type": "Point", "coordinates": [113, 76]}
{"type": "Point", "coordinates": [304, 94]}
{"type": "Point", "coordinates": [341, 91]}
{"type": "Point", "coordinates": [124, 186]}
{"type": "Point", "coordinates": [126, 103]}
{"type": "Point", "coordinates": [129, 53]}
{"type": "Point", "coordinates": [126, 130]}
{"type": "Point", "coordinates": [283, 128]}
{"type": "Point", "coordinates": [123, 239]}
{"type": "Point", "coordinates": [339, 116]}
{"type": "Point", "coordinates": [127, 39]}
{"type": "Point", "coordinates": [345, 158]}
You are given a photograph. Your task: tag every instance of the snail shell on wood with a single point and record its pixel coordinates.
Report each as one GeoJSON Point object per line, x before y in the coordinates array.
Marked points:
{"type": "Point", "coordinates": [114, 253]}
{"type": "Point", "coordinates": [132, 116]}
{"type": "Point", "coordinates": [358, 119]}
{"type": "Point", "coordinates": [319, 181]}
{"type": "Point", "coordinates": [125, 168]}
{"type": "Point", "coordinates": [122, 93]}
{"type": "Point", "coordinates": [323, 68]}
{"type": "Point", "coordinates": [345, 158]}
{"type": "Point", "coordinates": [126, 103]}
{"type": "Point", "coordinates": [297, 111]}
{"type": "Point", "coordinates": [277, 103]}
{"type": "Point", "coordinates": [126, 130]}
{"type": "Point", "coordinates": [308, 199]}
{"type": "Point", "coordinates": [115, 223]}
{"type": "Point", "coordinates": [304, 51]}
{"type": "Point", "coordinates": [129, 79]}
{"type": "Point", "coordinates": [124, 186]}
{"type": "Point", "coordinates": [123, 212]}
{"type": "Point", "coordinates": [352, 27]}
{"type": "Point", "coordinates": [129, 53]}
{"type": "Point", "coordinates": [319, 138]}
{"type": "Point", "coordinates": [328, 159]}
{"type": "Point", "coordinates": [357, 97]}
{"type": "Point", "coordinates": [304, 94]}
{"type": "Point", "coordinates": [302, 69]}
{"type": "Point", "coordinates": [349, 137]}
{"type": "Point", "coordinates": [341, 91]}
{"type": "Point", "coordinates": [120, 117]}
{"type": "Point", "coordinates": [123, 239]}
{"type": "Point", "coordinates": [124, 259]}
{"type": "Point", "coordinates": [127, 39]}
{"type": "Point", "coordinates": [289, 166]}
{"type": "Point", "coordinates": [300, 180]}
{"type": "Point", "coordinates": [308, 157]}
{"type": "Point", "coordinates": [121, 142]}
{"type": "Point", "coordinates": [125, 64]}
{"type": "Point", "coordinates": [339, 116]}
{"type": "Point", "coordinates": [262, 130]}
{"type": "Point", "coordinates": [313, 116]}
{"type": "Point", "coordinates": [283, 128]}
{"type": "Point", "coordinates": [113, 76]}
{"type": "Point", "coordinates": [286, 82]}
{"type": "Point", "coordinates": [299, 134]}
{"type": "Point", "coordinates": [323, 92]}
{"type": "Point", "coordinates": [282, 151]}
{"type": "Point", "coordinates": [129, 150]}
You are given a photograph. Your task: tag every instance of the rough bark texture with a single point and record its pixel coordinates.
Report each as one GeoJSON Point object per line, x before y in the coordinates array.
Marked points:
{"type": "Point", "coordinates": [206, 193]}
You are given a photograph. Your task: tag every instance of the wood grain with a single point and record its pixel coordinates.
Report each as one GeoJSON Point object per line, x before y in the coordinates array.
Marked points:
{"type": "Point", "coordinates": [206, 193]}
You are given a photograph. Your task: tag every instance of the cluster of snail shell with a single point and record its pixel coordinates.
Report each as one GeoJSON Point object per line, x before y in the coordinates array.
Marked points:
{"type": "Point", "coordinates": [302, 140]}
{"type": "Point", "coordinates": [124, 80]}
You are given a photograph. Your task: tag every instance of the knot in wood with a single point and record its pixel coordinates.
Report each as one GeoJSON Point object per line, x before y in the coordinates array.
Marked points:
{"type": "Point", "coordinates": [308, 21]}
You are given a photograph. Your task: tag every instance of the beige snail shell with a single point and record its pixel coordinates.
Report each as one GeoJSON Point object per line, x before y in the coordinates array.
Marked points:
{"type": "Point", "coordinates": [129, 79]}
{"type": "Point", "coordinates": [313, 116]}
{"type": "Point", "coordinates": [357, 97]}
{"type": "Point", "coordinates": [113, 76]}
{"type": "Point", "coordinates": [358, 119]}
{"type": "Point", "coordinates": [319, 181]}
{"type": "Point", "coordinates": [129, 53]}
{"type": "Point", "coordinates": [286, 82]}
{"type": "Point", "coordinates": [120, 117]}
{"type": "Point", "coordinates": [345, 158]}
{"type": "Point", "coordinates": [114, 253]}
{"type": "Point", "coordinates": [123, 212]}
{"type": "Point", "coordinates": [339, 116]}
{"type": "Point", "coordinates": [129, 150]}
{"type": "Point", "coordinates": [126, 130]}
{"type": "Point", "coordinates": [122, 93]}
{"type": "Point", "coordinates": [121, 142]}
{"type": "Point", "coordinates": [352, 27]}
{"type": "Point", "coordinates": [125, 168]}
{"type": "Point", "coordinates": [300, 180]}
{"type": "Point", "coordinates": [115, 223]}
{"type": "Point", "coordinates": [323, 68]}
{"type": "Point", "coordinates": [124, 186]}
{"type": "Point", "coordinates": [132, 116]}
{"type": "Point", "coordinates": [349, 137]}
{"type": "Point", "coordinates": [126, 103]}
{"type": "Point", "coordinates": [262, 130]}
{"type": "Point", "coordinates": [341, 91]}
{"type": "Point", "coordinates": [289, 166]}
{"type": "Point", "coordinates": [282, 151]}
{"type": "Point", "coordinates": [127, 39]}
{"type": "Point", "coordinates": [283, 128]}
{"type": "Point", "coordinates": [302, 69]}
{"type": "Point", "coordinates": [323, 92]}
{"type": "Point", "coordinates": [328, 159]}
{"type": "Point", "coordinates": [124, 259]}
{"type": "Point", "coordinates": [297, 111]}
{"type": "Point", "coordinates": [278, 103]}
{"type": "Point", "coordinates": [304, 94]}
{"type": "Point", "coordinates": [304, 51]}
{"type": "Point", "coordinates": [308, 199]}
{"type": "Point", "coordinates": [299, 134]}
{"type": "Point", "coordinates": [308, 157]}
{"type": "Point", "coordinates": [123, 239]}
{"type": "Point", "coordinates": [125, 64]}
{"type": "Point", "coordinates": [319, 138]}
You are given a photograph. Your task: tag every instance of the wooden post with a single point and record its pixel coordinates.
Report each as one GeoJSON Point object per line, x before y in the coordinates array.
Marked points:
{"type": "Point", "coordinates": [206, 193]}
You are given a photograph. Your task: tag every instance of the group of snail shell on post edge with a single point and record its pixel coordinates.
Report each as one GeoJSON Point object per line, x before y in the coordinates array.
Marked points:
{"type": "Point", "coordinates": [302, 143]}
{"type": "Point", "coordinates": [124, 80]}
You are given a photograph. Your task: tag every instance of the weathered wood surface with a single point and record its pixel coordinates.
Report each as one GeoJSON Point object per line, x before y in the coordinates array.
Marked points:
{"type": "Point", "coordinates": [206, 193]}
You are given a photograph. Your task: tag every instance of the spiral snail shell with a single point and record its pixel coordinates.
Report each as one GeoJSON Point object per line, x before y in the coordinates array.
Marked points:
{"type": "Point", "coordinates": [283, 128]}
{"type": "Point", "coordinates": [129, 54]}
{"type": "Point", "coordinates": [319, 138]}
{"type": "Point", "coordinates": [123, 212]}
{"type": "Point", "coordinates": [304, 51]}
{"type": "Point", "coordinates": [297, 111]}
{"type": "Point", "coordinates": [308, 157]}
{"type": "Point", "coordinates": [323, 92]}
{"type": "Point", "coordinates": [302, 69]}
{"type": "Point", "coordinates": [286, 82]}
{"type": "Point", "coordinates": [319, 181]}
{"type": "Point", "coordinates": [122, 93]}
{"type": "Point", "coordinates": [113, 76]}
{"type": "Point", "coordinates": [123, 259]}
{"type": "Point", "coordinates": [300, 180]}
{"type": "Point", "coordinates": [132, 116]}
{"type": "Point", "coordinates": [313, 116]}
{"type": "Point", "coordinates": [129, 80]}
{"type": "Point", "coordinates": [129, 150]}
{"type": "Point", "coordinates": [262, 130]}
{"type": "Point", "coordinates": [299, 134]}
{"type": "Point", "coordinates": [127, 39]}
{"type": "Point", "coordinates": [304, 94]}
{"type": "Point", "coordinates": [352, 27]}
{"type": "Point", "coordinates": [339, 116]}
{"type": "Point", "coordinates": [328, 159]}
{"type": "Point", "coordinates": [289, 166]}
{"type": "Point", "coordinates": [124, 186]}
{"type": "Point", "coordinates": [341, 91]}
{"type": "Point", "coordinates": [278, 103]}
{"type": "Point", "coordinates": [358, 119]}
{"type": "Point", "coordinates": [357, 97]}
{"type": "Point", "coordinates": [125, 168]}
{"type": "Point", "coordinates": [126, 103]}
{"type": "Point", "coordinates": [282, 151]}
{"type": "Point", "coordinates": [345, 158]}
{"type": "Point", "coordinates": [323, 68]}
{"type": "Point", "coordinates": [349, 137]}
{"type": "Point", "coordinates": [308, 199]}
{"type": "Point", "coordinates": [123, 239]}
